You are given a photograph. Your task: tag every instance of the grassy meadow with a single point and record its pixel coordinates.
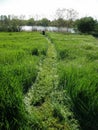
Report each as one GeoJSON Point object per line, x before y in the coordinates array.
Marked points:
{"type": "Point", "coordinates": [63, 70]}
{"type": "Point", "coordinates": [78, 74]}
{"type": "Point", "coordinates": [20, 55]}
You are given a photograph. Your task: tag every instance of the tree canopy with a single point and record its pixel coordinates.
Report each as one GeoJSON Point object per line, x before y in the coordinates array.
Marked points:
{"type": "Point", "coordinates": [64, 18]}
{"type": "Point", "coordinates": [86, 25]}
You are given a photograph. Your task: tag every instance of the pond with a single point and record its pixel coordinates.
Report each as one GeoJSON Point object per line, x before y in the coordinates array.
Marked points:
{"type": "Point", "coordinates": [49, 28]}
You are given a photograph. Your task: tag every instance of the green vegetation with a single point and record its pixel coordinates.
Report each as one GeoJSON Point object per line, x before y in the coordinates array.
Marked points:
{"type": "Point", "coordinates": [87, 25]}
{"type": "Point", "coordinates": [20, 54]}
{"type": "Point", "coordinates": [78, 74]}
{"type": "Point", "coordinates": [48, 82]}
{"type": "Point", "coordinates": [46, 102]}
{"type": "Point", "coordinates": [63, 18]}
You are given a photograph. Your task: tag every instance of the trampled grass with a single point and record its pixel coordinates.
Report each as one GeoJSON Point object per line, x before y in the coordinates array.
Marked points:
{"type": "Point", "coordinates": [78, 74]}
{"type": "Point", "coordinates": [49, 106]}
{"type": "Point", "coordinates": [20, 54]}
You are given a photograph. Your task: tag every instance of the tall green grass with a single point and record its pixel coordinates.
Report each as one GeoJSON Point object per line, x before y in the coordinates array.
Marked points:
{"type": "Point", "coordinates": [78, 74]}
{"type": "Point", "coordinates": [20, 54]}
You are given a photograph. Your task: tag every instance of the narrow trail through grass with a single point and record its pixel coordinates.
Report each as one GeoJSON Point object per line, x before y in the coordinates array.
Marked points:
{"type": "Point", "coordinates": [44, 101]}
{"type": "Point", "coordinates": [46, 80]}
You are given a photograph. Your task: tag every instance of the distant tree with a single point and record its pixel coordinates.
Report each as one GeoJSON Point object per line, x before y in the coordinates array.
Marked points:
{"type": "Point", "coordinates": [61, 22]}
{"type": "Point", "coordinates": [69, 15]}
{"type": "Point", "coordinates": [15, 24]}
{"type": "Point", "coordinates": [43, 22]}
{"type": "Point", "coordinates": [60, 13]}
{"type": "Point", "coordinates": [60, 16]}
{"type": "Point", "coordinates": [86, 25]}
{"type": "Point", "coordinates": [10, 23]}
{"type": "Point", "coordinates": [4, 22]}
{"type": "Point", "coordinates": [31, 22]}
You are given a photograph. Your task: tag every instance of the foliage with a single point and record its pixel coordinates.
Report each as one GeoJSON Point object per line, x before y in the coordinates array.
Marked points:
{"type": "Point", "coordinates": [31, 22]}
{"type": "Point", "coordinates": [43, 22]}
{"type": "Point", "coordinates": [86, 25]}
{"type": "Point", "coordinates": [13, 23]}
{"type": "Point", "coordinates": [9, 25]}
{"type": "Point", "coordinates": [63, 18]}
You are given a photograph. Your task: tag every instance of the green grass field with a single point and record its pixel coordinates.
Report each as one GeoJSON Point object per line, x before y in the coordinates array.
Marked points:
{"type": "Point", "coordinates": [48, 82]}
{"type": "Point", "coordinates": [20, 55]}
{"type": "Point", "coordinates": [78, 74]}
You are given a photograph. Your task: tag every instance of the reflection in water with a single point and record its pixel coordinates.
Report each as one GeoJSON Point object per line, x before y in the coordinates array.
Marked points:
{"type": "Point", "coordinates": [52, 29]}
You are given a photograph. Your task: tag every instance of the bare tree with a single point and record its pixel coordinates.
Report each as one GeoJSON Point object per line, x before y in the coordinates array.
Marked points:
{"type": "Point", "coordinates": [71, 15]}
{"type": "Point", "coordinates": [67, 14]}
{"type": "Point", "coordinates": [60, 13]}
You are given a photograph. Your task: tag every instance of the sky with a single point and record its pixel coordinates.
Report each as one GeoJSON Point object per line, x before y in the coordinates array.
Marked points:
{"type": "Point", "coordinates": [47, 8]}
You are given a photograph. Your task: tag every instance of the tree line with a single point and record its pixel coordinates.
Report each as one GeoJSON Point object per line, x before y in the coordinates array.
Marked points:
{"type": "Point", "coordinates": [63, 18]}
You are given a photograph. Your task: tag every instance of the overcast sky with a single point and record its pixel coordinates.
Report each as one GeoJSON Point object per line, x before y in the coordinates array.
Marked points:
{"type": "Point", "coordinates": [47, 8]}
